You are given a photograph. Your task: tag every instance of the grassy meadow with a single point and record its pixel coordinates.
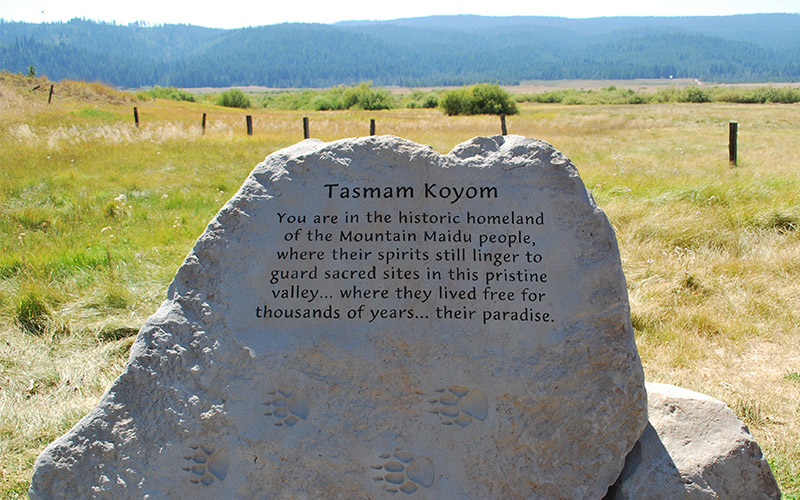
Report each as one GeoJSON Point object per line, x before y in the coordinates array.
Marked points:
{"type": "Point", "coordinates": [96, 215]}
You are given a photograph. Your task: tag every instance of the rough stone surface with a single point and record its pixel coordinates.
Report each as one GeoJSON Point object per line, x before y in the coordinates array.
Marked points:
{"type": "Point", "coordinates": [694, 448]}
{"type": "Point", "coordinates": [388, 394]}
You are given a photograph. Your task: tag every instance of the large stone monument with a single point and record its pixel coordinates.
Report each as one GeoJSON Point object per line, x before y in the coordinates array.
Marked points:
{"type": "Point", "coordinates": [370, 319]}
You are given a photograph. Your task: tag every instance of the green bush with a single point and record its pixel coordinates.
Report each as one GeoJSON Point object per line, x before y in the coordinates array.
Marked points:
{"type": "Point", "coordinates": [736, 95]}
{"type": "Point", "coordinates": [420, 99]}
{"type": "Point", "coordinates": [327, 102]}
{"type": "Point", "coordinates": [289, 99]}
{"type": "Point", "coordinates": [694, 94]}
{"type": "Point", "coordinates": [431, 100]}
{"type": "Point", "coordinates": [361, 96]}
{"type": "Point", "coordinates": [233, 98]}
{"type": "Point", "coordinates": [668, 94]}
{"type": "Point", "coordinates": [777, 95]}
{"type": "Point", "coordinates": [573, 99]}
{"type": "Point", "coordinates": [493, 100]}
{"type": "Point", "coordinates": [477, 100]}
{"type": "Point", "coordinates": [552, 97]}
{"type": "Point", "coordinates": [456, 102]}
{"type": "Point", "coordinates": [365, 97]}
{"type": "Point", "coordinates": [640, 98]}
{"type": "Point", "coordinates": [609, 95]}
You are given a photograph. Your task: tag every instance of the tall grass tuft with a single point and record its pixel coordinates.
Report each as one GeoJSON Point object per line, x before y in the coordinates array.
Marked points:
{"type": "Point", "coordinates": [32, 313]}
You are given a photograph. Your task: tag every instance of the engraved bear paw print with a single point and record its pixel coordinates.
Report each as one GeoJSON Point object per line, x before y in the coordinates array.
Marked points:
{"type": "Point", "coordinates": [460, 405]}
{"type": "Point", "coordinates": [288, 406]}
{"type": "Point", "coordinates": [404, 472]}
{"type": "Point", "coordinates": [207, 464]}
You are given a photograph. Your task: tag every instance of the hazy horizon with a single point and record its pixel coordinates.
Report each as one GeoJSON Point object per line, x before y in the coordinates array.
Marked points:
{"type": "Point", "coordinates": [239, 13]}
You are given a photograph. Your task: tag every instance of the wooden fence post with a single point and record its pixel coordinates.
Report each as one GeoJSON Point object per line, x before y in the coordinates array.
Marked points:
{"type": "Point", "coordinates": [204, 124]}
{"type": "Point", "coordinates": [372, 126]}
{"type": "Point", "coordinates": [136, 116]}
{"type": "Point", "coordinates": [50, 97]}
{"type": "Point", "coordinates": [503, 124]}
{"type": "Point", "coordinates": [732, 142]}
{"type": "Point", "coordinates": [249, 119]}
{"type": "Point", "coordinates": [306, 134]}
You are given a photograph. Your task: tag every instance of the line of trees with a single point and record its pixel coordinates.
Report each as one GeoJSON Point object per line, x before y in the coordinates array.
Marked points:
{"type": "Point", "coordinates": [314, 55]}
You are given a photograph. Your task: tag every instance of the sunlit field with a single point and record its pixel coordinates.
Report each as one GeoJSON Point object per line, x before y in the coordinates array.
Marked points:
{"type": "Point", "coordinates": [96, 215]}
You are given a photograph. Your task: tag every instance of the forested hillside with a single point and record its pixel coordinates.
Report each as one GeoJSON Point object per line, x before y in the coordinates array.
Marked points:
{"type": "Point", "coordinates": [439, 50]}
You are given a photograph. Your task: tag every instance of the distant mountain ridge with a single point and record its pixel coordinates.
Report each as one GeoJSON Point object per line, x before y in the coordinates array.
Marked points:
{"type": "Point", "coordinates": [437, 50]}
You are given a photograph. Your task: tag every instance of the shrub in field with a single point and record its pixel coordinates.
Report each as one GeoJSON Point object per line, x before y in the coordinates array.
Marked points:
{"type": "Point", "coordinates": [456, 102]}
{"type": "Point", "coordinates": [233, 98]}
{"type": "Point", "coordinates": [361, 96]}
{"type": "Point", "coordinates": [326, 102]}
{"type": "Point", "coordinates": [552, 97]}
{"type": "Point", "coordinates": [741, 96]}
{"type": "Point", "coordinates": [289, 100]}
{"type": "Point", "coordinates": [609, 95]}
{"type": "Point", "coordinates": [694, 94]}
{"type": "Point", "coordinates": [365, 97]}
{"type": "Point", "coordinates": [573, 99]}
{"type": "Point", "coordinates": [777, 95]}
{"type": "Point", "coordinates": [420, 99]}
{"type": "Point", "coordinates": [478, 100]}
{"type": "Point", "coordinates": [640, 98]}
{"type": "Point", "coordinates": [668, 94]}
{"type": "Point", "coordinates": [491, 99]}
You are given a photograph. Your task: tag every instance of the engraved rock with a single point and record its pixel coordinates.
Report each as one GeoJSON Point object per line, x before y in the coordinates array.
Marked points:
{"type": "Point", "coordinates": [458, 390]}
{"type": "Point", "coordinates": [329, 302]}
{"type": "Point", "coordinates": [300, 404]}
{"type": "Point", "coordinates": [695, 448]}
{"type": "Point", "coordinates": [394, 467]}
{"type": "Point", "coordinates": [409, 487]}
{"type": "Point", "coordinates": [421, 472]}
{"type": "Point", "coordinates": [475, 405]}
{"type": "Point", "coordinates": [218, 466]}
{"type": "Point", "coordinates": [404, 456]}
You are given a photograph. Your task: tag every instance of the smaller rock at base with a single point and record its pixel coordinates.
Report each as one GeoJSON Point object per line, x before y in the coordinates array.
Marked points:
{"type": "Point", "coordinates": [693, 448]}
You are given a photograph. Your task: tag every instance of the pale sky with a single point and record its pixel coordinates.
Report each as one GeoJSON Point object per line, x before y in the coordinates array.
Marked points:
{"type": "Point", "coordinates": [242, 13]}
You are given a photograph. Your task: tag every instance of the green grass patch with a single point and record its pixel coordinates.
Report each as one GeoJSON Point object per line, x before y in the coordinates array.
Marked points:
{"type": "Point", "coordinates": [98, 114]}
{"type": "Point", "coordinates": [15, 490]}
{"type": "Point", "coordinates": [792, 376]}
{"type": "Point", "coordinates": [785, 467]}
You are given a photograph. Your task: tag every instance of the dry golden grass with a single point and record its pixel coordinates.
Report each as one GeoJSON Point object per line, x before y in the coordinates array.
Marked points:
{"type": "Point", "coordinates": [711, 252]}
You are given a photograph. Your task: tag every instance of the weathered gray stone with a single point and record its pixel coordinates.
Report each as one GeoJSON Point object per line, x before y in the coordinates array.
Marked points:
{"type": "Point", "coordinates": [425, 384]}
{"type": "Point", "coordinates": [694, 448]}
